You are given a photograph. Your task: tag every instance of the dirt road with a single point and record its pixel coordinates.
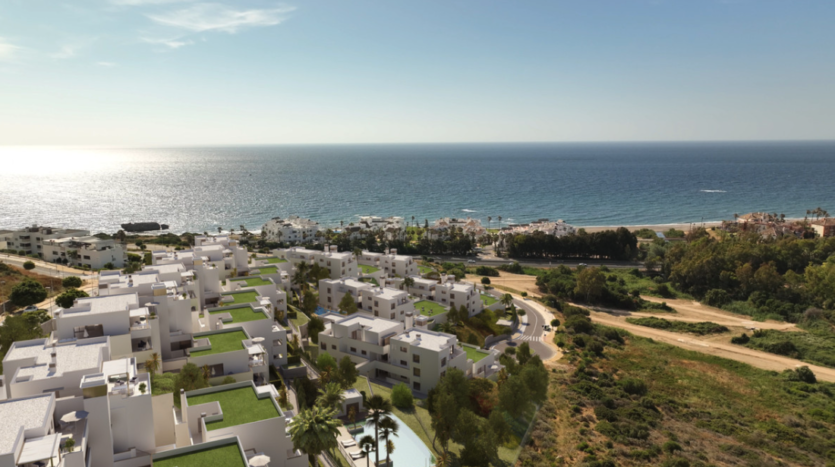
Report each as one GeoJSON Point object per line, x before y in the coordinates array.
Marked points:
{"type": "Point", "coordinates": [692, 312]}
{"type": "Point", "coordinates": [719, 346]}
{"type": "Point", "coordinates": [520, 282]}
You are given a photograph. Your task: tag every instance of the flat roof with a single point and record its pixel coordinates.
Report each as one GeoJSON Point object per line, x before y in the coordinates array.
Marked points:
{"type": "Point", "coordinates": [239, 406]}
{"type": "Point", "coordinates": [430, 308]}
{"type": "Point", "coordinates": [29, 413]}
{"type": "Point", "coordinates": [240, 314]}
{"type": "Point", "coordinates": [221, 343]}
{"type": "Point", "coordinates": [244, 296]}
{"type": "Point", "coordinates": [105, 304]}
{"type": "Point", "coordinates": [426, 339]}
{"type": "Point", "coordinates": [165, 268]}
{"type": "Point", "coordinates": [264, 270]}
{"type": "Point", "coordinates": [252, 281]}
{"type": "Point", "coordinates": [370, 323]}
{"type": "Point", "coordinates": [388, 292]}
{"type": "Point", "coordinates": [70, 357]}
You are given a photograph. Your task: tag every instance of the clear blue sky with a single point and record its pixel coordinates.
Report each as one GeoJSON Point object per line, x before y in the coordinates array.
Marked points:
{"type": "Point", "coordinates": [169, 72]}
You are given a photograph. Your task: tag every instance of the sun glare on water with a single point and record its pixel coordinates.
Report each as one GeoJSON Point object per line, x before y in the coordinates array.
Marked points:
{"type": "Point", "coordinates": [50, 161]}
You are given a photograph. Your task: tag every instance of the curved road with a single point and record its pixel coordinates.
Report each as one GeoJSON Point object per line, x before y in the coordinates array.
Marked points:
{"type": "Point", "coordinates": [530, 329]}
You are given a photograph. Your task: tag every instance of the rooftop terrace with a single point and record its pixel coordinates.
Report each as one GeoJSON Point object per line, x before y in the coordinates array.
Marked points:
{"type": "Point", "coordinates": [221, 343]}
{"type": "Point", "coordinates": [264, 270]}
{"type": "Point", "coordinates": [229, 455]}
{"type": "Point", "coordinates": [239, 406]}
{"type": "Point", "coordinates": [367, 269]}
{"type": "Point", "coordinates": [474, 354]}
{"type": "Point", "coordinates": [276, 260]}
{"type": "Point", "coordinates": [488, 299]}
{"type": "Point", "coordinates": [242, 297]}
{"type": "Point", "coordinates": [252, 281]}
{"type": "Point", "coordinates": [429, 308]}
{"type": "Point", "coordinates": [240, 314]}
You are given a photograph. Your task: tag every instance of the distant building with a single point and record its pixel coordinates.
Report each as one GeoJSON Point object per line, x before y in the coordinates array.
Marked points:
{"type": "Point", "coordinates": [442, 228]}
{"type": "Point", "coordinates": [824, 227]}
{"type": "Point", "coordinates": [342, 264]}
{"type": "Point", "coordinates": [293, 229]}
{"type": "Point", "coordinates": [71, 246]}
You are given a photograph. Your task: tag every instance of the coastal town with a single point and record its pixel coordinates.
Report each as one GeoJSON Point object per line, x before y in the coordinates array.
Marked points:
{"type": "Point", "coordinates": [282, 348]}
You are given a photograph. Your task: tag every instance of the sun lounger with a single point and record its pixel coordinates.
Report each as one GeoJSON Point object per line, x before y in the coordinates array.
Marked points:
{"type": "Point", "coordinates": [348, 443]}
{"type": "Point", "coordinates": [357, 455]}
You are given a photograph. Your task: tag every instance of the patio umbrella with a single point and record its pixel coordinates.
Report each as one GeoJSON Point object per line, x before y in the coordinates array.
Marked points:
{"type": "Point", "coordinates": [259, 461]}
{"type": "Point", "coordinates": [258, 340]}
{"type": "Point", "coordinates": [74, 416]}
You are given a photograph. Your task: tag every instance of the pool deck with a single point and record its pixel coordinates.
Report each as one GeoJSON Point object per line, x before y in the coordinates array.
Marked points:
{"type": "Point", "coordinates": [344, 435]}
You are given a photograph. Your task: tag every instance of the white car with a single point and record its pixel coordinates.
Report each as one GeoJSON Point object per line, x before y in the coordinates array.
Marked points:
{"type": "Point", "coordinates": [30, 308]}
{"type": "Point", "coordinates": [471, 261]}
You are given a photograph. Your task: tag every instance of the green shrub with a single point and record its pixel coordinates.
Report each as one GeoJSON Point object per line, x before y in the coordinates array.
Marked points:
{"type": "Point", "coordinates": [634, 386]}
{"type": "Point", "coordinates": [401, 396]}
{"type": "Point", "coordinates": [71, 281]}
{"type": "Point", "coordinates": [671, 447]}
{"type": "Point", "coordinates": [28, 265]}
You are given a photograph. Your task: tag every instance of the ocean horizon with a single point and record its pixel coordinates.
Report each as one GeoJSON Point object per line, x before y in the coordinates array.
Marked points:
{"type": "Point", "coordinates": [199, 189]}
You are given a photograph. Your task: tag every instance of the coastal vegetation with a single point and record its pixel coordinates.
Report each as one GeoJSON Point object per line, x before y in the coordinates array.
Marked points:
{"type": "Point", "coordinates": [701, 329]}
{"type": "Point", "coordinates": [622, 400]}
{"type": "Point", "coordinates": [620, 244]}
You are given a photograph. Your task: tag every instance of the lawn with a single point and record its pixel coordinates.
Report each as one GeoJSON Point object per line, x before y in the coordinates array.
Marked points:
{"type": "Point", "coordinates": [300, 319]}
{"type": "Point", "coordinates": [221, 343]}
{"type": "Point", "coordinates": [474, 354]}
{"type": "Point", "coordinates": [239, 406]}
{"type": "Point", "coordinates": [370, 280]}
{"type": "Point", "coordinates": [241, 315]}
{"type": "Point", "coordinates": [242, 297]}
{"type": "Point", "coordinates": [425, 269]}
{"type": "Point", "coordinates": [264, 270]}
{"type": "Point", "coordinates": [429, 308]}
{"type": "Point", "coordinates": [223, 456]}
{"type": "Point", "coordinates": [367, 269]}
{"type": "Point", "coordinates": [253, 281]}
{"type": "Point", "coordinates": [276, 260]}
{"type": "Point", "coordinates": [488, 299]}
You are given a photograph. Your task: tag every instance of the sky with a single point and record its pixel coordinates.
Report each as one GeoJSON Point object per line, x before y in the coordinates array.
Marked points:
{"type": "Point", "coordinates": [194, 72]}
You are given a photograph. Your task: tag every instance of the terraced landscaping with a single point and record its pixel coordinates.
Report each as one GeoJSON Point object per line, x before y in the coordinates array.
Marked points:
{"type": "Point", "coordinates": [239, 406]}
{"type": "Point", "coordinates": [242, 297]}
{"type": "Point", "coordinates": [241, 315]}
{"type": "Point", "coordinates": [253, 281]}
{"type": "Point", "coordinates": [221, 343]}
{"type": "Point", "coordinates": [367, 269]}
{"type": "Point", "coordinates": [474, 354]}
{"type": "Point", "coordinates": [429, 308]}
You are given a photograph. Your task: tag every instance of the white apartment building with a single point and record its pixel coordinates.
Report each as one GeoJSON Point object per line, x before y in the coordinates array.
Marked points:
{"type": "Point", "coordinates": [385, 302]}
{"type": "Point", "coordinates": [395, 352]}
{"type": "Point", "coordinates": [332, 290]}
{"type": "Point", "coordinates": [30, 240]}
{"type": "Point", "coordinates": [442, 227]}
{"type": "Point", "coordinates": [339, 264]}
{"type": "Point", "coordinates": [457, 294]}
{"type": "Point", "coordinates": [291, 230]}
{"type": "Point", "coordinates": [230, 351]}
{"type": "Point", "coordinates": [257, 321]}
{"type": "Point", "coordinates": [423, 288]}
{"type": "Point", "coordinates": [394, 226]}
{"type": "Point", "coordinates": [557, 229]}
{"type": "Point", "coordinates": [131, 330]}
{"type": "Point", "coordinates": [90, 251]}
{"type": "Point", "coordinates": [206, 419]}
{"type": "Point", "coordinates": [221, 254]}
{"type": "Point", "coordinates": [390, 262]}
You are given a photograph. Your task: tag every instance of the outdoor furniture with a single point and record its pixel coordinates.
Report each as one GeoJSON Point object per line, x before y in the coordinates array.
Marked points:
{"type": "Point", "coordinates": [348, 443]}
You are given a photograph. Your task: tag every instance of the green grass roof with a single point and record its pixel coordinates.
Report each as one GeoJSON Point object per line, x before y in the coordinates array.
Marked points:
{"type": "Point", "coordinates": [276, 260]}
{"type": "Point", "coordinates": [488, 299]}
{"type": "Point", "coordinates": [475, 354]}
{"type": "Point", "coordinates": [242, 297]}
{"type": "Point", "coordinates": [264, 270]}
{"type": "Point", "coordinates": [221, 343]}
{"type": "Point", "coordinates": [253, 281]}
{"type": "Point", "coordinates": [239, 406]}
{"type": "Point", "coordinates": [300, 319]}
{"type": "Point", "coordinates": [424, 269]}
{"type": "Point", "coordinates": [221, 456]}
{"type": "Point", "coordinates": [429, 308]}
{"type": "Point", "coordinates": [241, 315]}
{"type": "Point", "coordinates": [367, 269]}
{"type": "Point", "coordinates": [370, 280]}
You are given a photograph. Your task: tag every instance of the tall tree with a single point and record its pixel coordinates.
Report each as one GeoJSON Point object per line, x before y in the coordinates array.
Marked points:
{"type": "Point", "coordinates": [331, 396]}
{"type": "Point", "coordinates": [347, 372]}
{"type": "Point", "coordinates": [347, 305]}
{"type": "Point", "coordinates": [378, 409]}
{"type": "Point", "coordinates": [314, 431]}
{"type": "Point", "coordinates": [388, 427]}
{"type": "Point", "coordinates": [367, 445]}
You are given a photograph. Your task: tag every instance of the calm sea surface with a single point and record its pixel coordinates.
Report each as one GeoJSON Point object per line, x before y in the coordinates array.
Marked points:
{"type": "Point", "coordinates": [198, 189]}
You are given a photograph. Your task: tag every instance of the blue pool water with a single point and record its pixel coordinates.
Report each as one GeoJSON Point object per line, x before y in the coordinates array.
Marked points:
{"type": "Point", "coordinates": [321, 311]}
{"type": "Point", "coordinates": [409, 450]}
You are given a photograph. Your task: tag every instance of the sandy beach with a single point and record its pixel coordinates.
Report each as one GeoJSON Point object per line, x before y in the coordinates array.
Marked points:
{"type": "Point", "coordinates": [657, 227]}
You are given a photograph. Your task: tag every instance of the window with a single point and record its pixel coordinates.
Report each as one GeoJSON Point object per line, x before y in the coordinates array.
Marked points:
{"type": "Point", "coordinates": [443, 373]}
{"type": "Point", "coordinates": [329, 299]}
{"type": "Point", "coordinates": [416, 358]}
{"type": "Point", "coordinates": [364, 352]}
{"type": "Point", "coordinates": [329, 291]}
{"type": "Point", "coordinates": [376, 303]}
{"type": "Point", "coordinates": [392, 316]}
{"type": "Point", "coordinates": [353, 349]}
{"type": "Point", "coordinates": [416, 371]}
{"type": "Point", "coordinates": [443, 361]}
{"type": "Point", "coordinates": [323, 346]}
{"type": "Point", "coordinates": [416, 385]}
{"type": "Point", "coordinates": [333, 346]}
{"type": "Point", "coordinates": [452, 295]}
{"type": "Point", "coordinates": [392, 306]}
{"type": "Point", "coordinates": [403, 363]}
{"type": "Point", "coordinates": [403, 349]}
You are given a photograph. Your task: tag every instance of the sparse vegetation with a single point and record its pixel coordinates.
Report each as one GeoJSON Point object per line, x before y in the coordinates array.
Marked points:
{"type": "Point", "coordinates": [701, 329]}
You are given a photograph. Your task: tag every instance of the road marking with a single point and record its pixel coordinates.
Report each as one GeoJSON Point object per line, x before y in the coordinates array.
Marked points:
{"type": "Point", "coordinates": [529, 338]}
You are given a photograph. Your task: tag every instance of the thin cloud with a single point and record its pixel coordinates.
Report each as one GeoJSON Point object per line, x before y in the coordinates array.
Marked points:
{"type": "Point", "coordinates": [175, 43]}
{"type": "Point", "coordinates": [72, 48]}
{"type": "Point", "coordinates": [146, 2]}
{"type": "Point", "coordinates": [216, 17]}
{"type": "Point", "coordinates": [66, 51]}
{"type": "Point", "coordinates": [107, 64]}
{"type": "Point", "coordinates": [7, 50]}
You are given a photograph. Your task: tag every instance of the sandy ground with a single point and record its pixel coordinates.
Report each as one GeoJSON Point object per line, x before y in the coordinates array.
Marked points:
{"type": "Point", "coordinates": [658, 227]}
{"type": "Point", "coordinates": [718, 345]}
{"type": "Point", "coordinates": [522, 283]}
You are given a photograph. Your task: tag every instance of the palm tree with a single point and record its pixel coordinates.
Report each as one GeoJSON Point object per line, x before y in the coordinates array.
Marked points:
{"type": "Point", "coordinates": [443, 459]}
{"type": "Point", "coordinates": [331, 396]}
{"type": "Point", "coordinates": [314, 430]}
{"type": "Point", "coordinates": [388, 427]}
{"type": "Point", "coordinates": [408, 282]}
{"type": "Point", "coordinates": [300, 281]}
{"type": "Point", "coordinates": [367, 445]}
{"type": "Point", "coordinates": [507, 299]}
{"type": "Point", "coordinates": [378, 409]}
{"type": "Point", "coordinates": [447, 327]}
{"type": "Point", "coordinates": [219, 229]}
{"type": "Point", "coordinates": [152, 364]}
{"type": "Point", "coordinates": [207, 373]}
{"type": "Point", "coordinates": [500, 220]}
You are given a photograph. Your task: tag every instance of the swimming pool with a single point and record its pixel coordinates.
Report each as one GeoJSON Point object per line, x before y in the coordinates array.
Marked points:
{"type": "Point", "coordinates": [409, 450]}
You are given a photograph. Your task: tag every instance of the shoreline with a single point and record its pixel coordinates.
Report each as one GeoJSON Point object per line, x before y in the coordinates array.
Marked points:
{"type": "Point", "coordinates": [656, 227]}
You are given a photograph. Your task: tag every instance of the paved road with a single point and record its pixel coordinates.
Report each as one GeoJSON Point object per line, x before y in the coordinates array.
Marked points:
{"type": "Point", "coordinates": [530, 329]}
{"type": "Point", "coordinates": [42, 267]}
{"type": "Point", "coordinates": [537, 263]}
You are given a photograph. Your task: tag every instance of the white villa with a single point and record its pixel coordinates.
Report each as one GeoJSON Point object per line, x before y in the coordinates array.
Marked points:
{"type": "Point", "coordinates": [339, 264]}
{"type": "Point", "coordinates": [291, 230]}
{"type": "Point", "coordinates": [390, 262]}
{"type": "Point", "coordinates": [556, 229]}
{"type": "Point", "coordinates": [442, 227]}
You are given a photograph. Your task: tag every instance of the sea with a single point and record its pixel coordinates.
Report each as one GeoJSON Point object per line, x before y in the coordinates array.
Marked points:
{"type": "Point", "coordinates": [197, 189]}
